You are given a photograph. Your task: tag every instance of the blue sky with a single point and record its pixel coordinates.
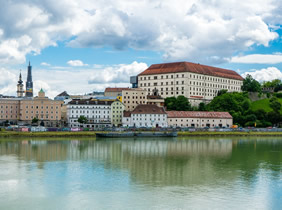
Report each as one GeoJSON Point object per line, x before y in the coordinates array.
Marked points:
{"type": "Point", "coordinates": [82, 46]}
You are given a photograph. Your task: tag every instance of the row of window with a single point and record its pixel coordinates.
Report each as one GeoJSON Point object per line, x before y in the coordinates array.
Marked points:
{"type": "Point", "coordinates": [91, 117]}
{"type": "Point", "coordinates": [42, 112]}
{"type": "Point", "coordinates": [89, 112]}
{"type": "Point", "coordinates": [136, 97]}
{"type": "Point", "coordinates": [214, 79]}
{"type": "Point", "coordinates": [90, 107]}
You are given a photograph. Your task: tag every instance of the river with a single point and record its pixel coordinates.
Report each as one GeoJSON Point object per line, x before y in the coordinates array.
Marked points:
{"type": "Point", "coordinates": [161, 173]}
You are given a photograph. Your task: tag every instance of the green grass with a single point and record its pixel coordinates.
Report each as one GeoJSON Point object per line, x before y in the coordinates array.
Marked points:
{"type": "Point", "coordinates": [197, 133]}
{"type": "Point", "coordinates": [47, 134]}
{"type": "Point", "coordinates": [263, 104]}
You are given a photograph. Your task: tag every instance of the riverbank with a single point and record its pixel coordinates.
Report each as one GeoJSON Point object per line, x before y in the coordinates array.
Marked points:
{"type": "Point", "coordinates": [230, 133]}
{"type": "Point", "coordinates": [5, 134]}
{"type": "Point", "coordinates": [47, 134]}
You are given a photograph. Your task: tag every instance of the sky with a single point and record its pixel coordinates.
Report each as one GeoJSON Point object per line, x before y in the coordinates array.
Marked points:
{"type": "Point", "coordinates": [81, 46]}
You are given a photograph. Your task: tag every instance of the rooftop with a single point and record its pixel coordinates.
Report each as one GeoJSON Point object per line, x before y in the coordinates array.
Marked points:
{"type": "Point", "coordinates": [91, 102]}
{"type": "Point", "coordinates": [63, 94]}
{"type": "Point", "coordinates": [109, 89]}
{"type": "Point", "coordinates": [148, 109]}
{"type": "Point", "coordinates": [196, 114]}
{"type": "Point", "coordinates": [166, 68]}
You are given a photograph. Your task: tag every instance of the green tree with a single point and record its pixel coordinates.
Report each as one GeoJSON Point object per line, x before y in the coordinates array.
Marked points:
{"type": "Point", "coordinates": [170, 103]}
{"type": "Point", "coordinates": [251, 85]}
{"type": "Point", "coordinates": [275, 104]}
{"type": "Point", "coordinates": [202, 107]}
{"type": "Point", "coordinates": [273, 117]}
{"type": "Point", "coordinates": [221, 92]}
{"type": "Point", "coordinates": [82, 119]}
{"type": "Point", "coordinates": [34, 120]}
{"type": "Point", "coordinates": [182, 104]}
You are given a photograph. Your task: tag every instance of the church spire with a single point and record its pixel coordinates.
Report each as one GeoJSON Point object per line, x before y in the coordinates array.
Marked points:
{"type": "Point", "coordinates": [20, 90]}
{"type": "Point", "coordinates": [20, 78]}
{"type": "Point", "coordinates": [29, 83]}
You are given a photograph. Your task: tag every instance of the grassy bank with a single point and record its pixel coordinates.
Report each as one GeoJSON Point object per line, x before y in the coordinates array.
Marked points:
{"type": "Point", "coordinates": [92, 134]}
{"type": "Point", "coordinates": [197, 133]}
{"type": "Point", "coordinates": [47, 134]}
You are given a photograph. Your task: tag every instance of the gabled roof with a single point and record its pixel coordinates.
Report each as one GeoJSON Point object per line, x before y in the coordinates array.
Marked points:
{"type": "Point", "coordinates": [63, 94]}
{"type": "Point", "coordinates": [196, 114]}
{"type": "Point", "coordinates": [126, 113]}
{"type": "Point", "coordinates": [165, 68]}
{"type": "Point", "coordinates": [148, 109]}
{"type": "Point", "coordinates": [109, 89]}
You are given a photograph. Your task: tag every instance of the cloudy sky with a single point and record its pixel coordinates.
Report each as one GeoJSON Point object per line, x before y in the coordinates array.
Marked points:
{"type": "Point", "coordinates": [82, 45]}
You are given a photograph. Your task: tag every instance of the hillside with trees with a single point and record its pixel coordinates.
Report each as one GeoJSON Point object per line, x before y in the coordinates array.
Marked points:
{"type": "Point", "coordinates": [260, 113]}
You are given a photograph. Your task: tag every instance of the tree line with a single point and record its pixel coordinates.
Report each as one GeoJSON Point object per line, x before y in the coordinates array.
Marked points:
{"type": "Point", "coordinates": [238, 104]}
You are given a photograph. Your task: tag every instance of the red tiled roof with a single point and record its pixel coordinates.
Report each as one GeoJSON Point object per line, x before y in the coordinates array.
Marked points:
{"type": "Point", "coordinates": [196, 96]}
{"type": "Point", "coordinates": [115, 89]}
{"type": "Point", "coordinates": [166, 68]}
{"type": "Point", "coordinates": [126, 113]}
{"type": "Point", "coordinates": [195, 114]}
{"type": "Point", "coordinates": [148, 109]}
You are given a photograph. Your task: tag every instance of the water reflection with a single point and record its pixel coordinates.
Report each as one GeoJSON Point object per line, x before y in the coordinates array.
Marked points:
{"type": "Point", "coordinates": [201, 165]}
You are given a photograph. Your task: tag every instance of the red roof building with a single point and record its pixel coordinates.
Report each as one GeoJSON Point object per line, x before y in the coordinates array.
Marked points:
{"type": "Point", "coordinates": [197, 82]}
{"type": "Point", "coordinates": [166, 68]}
{"type": "Point", "coordinates": [199, 119]}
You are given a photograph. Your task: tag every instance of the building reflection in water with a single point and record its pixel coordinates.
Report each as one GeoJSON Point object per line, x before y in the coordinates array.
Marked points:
{"type": "Point", "coordinates": [148, 161]}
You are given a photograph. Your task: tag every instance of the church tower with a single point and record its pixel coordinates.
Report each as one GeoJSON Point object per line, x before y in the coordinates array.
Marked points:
{"type": "Point", "coordinates": [20, 91]}
{"type": "Point", "coordinates": [29, 83]}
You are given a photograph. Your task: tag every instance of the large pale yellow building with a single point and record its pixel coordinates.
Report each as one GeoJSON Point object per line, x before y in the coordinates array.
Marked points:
{"type": "Point", "coordinates": [23, 110]}
{"type": "Point", "coordinates": [199, 83]}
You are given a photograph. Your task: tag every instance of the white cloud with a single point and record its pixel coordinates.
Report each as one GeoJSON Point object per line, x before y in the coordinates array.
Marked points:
{"type": "Point", "coordinates": [8, 82]}
{"type": "Point", "coordinates": [45, 64]}
{"type": "Point", "coordinates": [267, 74]}
{"type": "Point", "coordinates": [117, 74]}
{"type": "Point", "coordinates": [196, 30]}
{"type": "Point", "coordinates": [79, 81]}
{"type": "Point", "coordinates": [258, 59]}
{"type": "Point", "coordinates": [76, 63]}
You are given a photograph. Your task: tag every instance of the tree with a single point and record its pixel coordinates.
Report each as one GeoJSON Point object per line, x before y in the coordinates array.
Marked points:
{"type": "Point", "coordinates": [275, 104]}
{"type": "Point", "coordinates": [251, 85]}
{"type": "Point", "coordinates": [202, 107]}
{"type": "Point", "coordinates": [273, 117]}
{"type": "Point", "coordinates": [182, 104]}
{"type": "Point", "coordinates": [82, 119]}
{"type": "Point", "coordinates": [34, 120]}
{"type": "Point", "coordinates": [170, 103]}
{"type": "Point", "coordinates": [221, 92]}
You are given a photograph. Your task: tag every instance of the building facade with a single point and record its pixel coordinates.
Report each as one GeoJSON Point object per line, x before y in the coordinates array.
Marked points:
{"type": "Point", "coordinates": [97, 112]}
{"type": "Point", "coordinates": [199, 83]}
{"type": "Point", "coordinates": [9, 110]}
{"type": "Point", "coordinates": [132, 97]}
{"type": "Point", "coordinates": [23, 110]}
{"type": "Point", "coordinates": [114, 92]}
{"type": "Point", "coordinates": [199, 119]}
{"type": "Point", "coordinates": [117, 109]}
{"type": "Point", "coordinates": [145, 116]}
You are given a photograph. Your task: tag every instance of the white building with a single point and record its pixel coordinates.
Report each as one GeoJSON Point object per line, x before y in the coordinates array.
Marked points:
{"type": "Point", "coordinates": [199, 83]}
{"type": "Point", "coordinates": [145, 116]}
{"type": "Point", "coordinates": [199, 119]}
{"type": "Point", "coordinates": [97, 112]}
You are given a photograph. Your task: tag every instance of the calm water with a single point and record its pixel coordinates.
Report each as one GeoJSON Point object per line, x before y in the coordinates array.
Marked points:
{"type": "Point", "coordinates": [194, 173]}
